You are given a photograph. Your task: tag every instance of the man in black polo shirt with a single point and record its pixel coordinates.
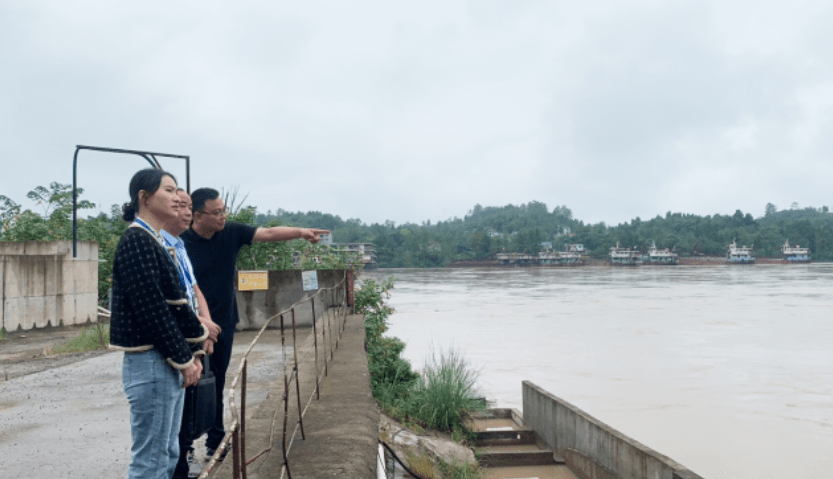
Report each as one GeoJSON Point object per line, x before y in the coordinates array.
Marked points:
{"type": "Point", "coordinates": [212, 245]}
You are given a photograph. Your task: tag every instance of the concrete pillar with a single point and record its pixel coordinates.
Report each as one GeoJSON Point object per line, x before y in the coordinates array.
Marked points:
{"type": "Point", "coordinates": [42, 285]}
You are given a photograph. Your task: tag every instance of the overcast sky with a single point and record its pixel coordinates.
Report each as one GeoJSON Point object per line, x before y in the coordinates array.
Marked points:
{"type": "Point", "coordinates": [413, 111]}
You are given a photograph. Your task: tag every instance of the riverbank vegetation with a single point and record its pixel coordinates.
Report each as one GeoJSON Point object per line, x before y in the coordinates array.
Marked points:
{"type": "Point", "coordinates": [439, 398]}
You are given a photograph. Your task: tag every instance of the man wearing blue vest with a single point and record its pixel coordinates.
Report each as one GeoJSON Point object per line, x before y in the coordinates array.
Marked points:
{"type": "Point", "coordinates": [212, 245]}
{"type": "Point", "coordinates": [170, 234]}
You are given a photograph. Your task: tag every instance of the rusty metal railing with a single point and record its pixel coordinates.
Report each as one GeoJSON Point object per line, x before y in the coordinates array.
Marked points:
{"type": "Point", "coordinates": [331, 324]}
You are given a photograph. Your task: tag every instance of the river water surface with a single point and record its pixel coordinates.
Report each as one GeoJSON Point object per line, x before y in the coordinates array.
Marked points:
{"type": "Point", "coordinates": [725, 369]}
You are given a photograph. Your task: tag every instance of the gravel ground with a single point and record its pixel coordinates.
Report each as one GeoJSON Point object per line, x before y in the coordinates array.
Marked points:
{"type": "Point", "coordinates": [65, 416]}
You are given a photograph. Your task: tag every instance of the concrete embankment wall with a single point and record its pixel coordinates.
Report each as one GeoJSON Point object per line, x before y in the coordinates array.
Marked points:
{"type": "Point", "coordinates": [591, 448]}
{"type": "Point", "coordinates": [42, 285]}
{"type": "Point", "coordinates": [285, 289]}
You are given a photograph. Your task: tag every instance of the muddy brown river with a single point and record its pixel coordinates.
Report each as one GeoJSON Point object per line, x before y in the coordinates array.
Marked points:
{"type": "Point", "coordinates": [726, 369]}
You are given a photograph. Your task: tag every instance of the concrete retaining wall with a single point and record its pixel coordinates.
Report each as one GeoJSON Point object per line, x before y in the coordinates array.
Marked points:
{"type": "Point", "coordinates": [285, 289]}
{"type": "Point", "coordinates": [42, 285]}
{"type": "Point", "coordinates": [592, 449]}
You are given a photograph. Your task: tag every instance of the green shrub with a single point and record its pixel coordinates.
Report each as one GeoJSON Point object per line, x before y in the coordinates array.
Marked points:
{"type": "Point", "coordinates": [446, 392]}
{"type": "Point", "coordinates": [390, 375]}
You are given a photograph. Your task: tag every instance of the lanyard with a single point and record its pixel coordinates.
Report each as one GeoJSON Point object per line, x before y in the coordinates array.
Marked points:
{"type": "Point", "coordinates": [141, 223]}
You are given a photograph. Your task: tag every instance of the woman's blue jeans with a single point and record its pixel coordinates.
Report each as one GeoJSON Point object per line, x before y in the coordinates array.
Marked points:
{"type": "Point", "coordinates": [154, 391]}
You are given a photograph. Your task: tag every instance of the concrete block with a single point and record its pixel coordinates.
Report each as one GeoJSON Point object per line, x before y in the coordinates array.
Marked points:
{"type": "Point", "coordinates": [551, 425]}
{"type": "Point", "coordinates": [583, 428]}
{"type": "Point", "coordinates": [86, 251]}
{"type": "Point", "coordinates": [22, 313]}
{"type": "Point", "coordinates": [40, 248]}
{"type": "Point", "coordinates": [251, 307]}
{"type": "Point", "coordinates": [561, 436]}
{"type": "Point", "coordinates": [11, 313]}
{"type": "Point", "coordinates": [657, 469]}
{"type": "Point", "coordinates": [570, 435]}
{"type": "Point", "coordinates": [34, 310]}
{"type": "Point", "coordinates": [86, 276]}
{"type": "Point", "coordinates": [68, 276]}
{"type": "Point", "coordinates": [67, 309]}
{"type": "Point", "coordinates": [64, 248]}
{"type": "Point", "coordinates": [14, 277]}
{"type": "Point", "coordinates": [79, 277]}
{"type": "Point", "coordinates": [86, 308]}
{"type": "Point", "coordinates": [35, 274]}
{"type": "Point", "coordinates": [11, 248]}
{"type": "Point", "coordinates": [77, 309]}
{"type": "Point", "coordinates": [602, 447]}
{"type": "Point", "coordinates": [52, 274]}
{"type": "Point", "coordinates": [50, 312]}
{"type": "Point", "coordinates": [92, 286]}
{"type": "Point", "coordinates": [285, 289]}
{"type": "Point", "coordinates": [629, 461]}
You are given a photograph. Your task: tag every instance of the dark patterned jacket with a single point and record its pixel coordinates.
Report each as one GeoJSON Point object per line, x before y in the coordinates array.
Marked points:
{"type": "Point", "coordinates": [149, 307]}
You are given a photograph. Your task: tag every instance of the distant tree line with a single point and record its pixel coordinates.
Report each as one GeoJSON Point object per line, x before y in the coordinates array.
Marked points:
{"type": "Point", "coordinates": [486, 231]}
{"type": "Point", "coordinates": [479, 235]}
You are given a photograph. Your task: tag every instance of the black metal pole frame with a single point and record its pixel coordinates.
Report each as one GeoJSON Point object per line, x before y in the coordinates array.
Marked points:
{"type": "Point", "coordinates": [147, 155]}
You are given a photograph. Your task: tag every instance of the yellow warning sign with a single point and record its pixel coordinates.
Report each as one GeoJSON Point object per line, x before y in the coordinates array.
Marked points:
{"type": "Point", "coordinates": [252, 280]}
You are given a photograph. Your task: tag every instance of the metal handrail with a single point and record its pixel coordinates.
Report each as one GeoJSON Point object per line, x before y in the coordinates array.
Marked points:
{"type": "Point", "coordinates": [236, 433]}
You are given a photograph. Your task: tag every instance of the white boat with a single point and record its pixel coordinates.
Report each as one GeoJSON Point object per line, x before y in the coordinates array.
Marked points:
{"type": "Point", "coordinates": [661, 256]}
{"type": "Point", "coordinates": [519, 259]}
{"type": "Point", "coordinates": [571, 254]}
{"type": "Point", "coordinates": [795, 254]}
{"type": "Point", "coordinates": [739, 254]}
{"type": "Point", "coordinates": [624, 256]}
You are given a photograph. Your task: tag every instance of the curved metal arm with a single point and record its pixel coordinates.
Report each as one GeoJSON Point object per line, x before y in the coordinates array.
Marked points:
{"type": "Point", "coordinates": [147, 155]}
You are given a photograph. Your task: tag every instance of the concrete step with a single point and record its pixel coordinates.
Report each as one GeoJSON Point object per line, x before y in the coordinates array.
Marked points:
{"type": "Point", "coordinates": [529, 472]}
{"type": "Point", "coordinates": [515, 455]}
{"type": "Point", "coordinates": [500, 426]}
{"type": "Point", "coordinates": [503, 440]}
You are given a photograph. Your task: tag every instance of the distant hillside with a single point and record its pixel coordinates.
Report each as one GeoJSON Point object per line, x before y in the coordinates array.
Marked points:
{"type": "Point", "coordinates": [485, 231]}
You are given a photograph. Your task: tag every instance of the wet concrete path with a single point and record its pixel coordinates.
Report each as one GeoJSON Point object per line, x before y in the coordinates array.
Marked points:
{"type": "Point", "coordinates": [72, 422]}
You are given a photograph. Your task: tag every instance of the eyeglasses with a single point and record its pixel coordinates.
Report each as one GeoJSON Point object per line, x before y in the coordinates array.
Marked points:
{"type": "Point", "coordinates": [222, 212]}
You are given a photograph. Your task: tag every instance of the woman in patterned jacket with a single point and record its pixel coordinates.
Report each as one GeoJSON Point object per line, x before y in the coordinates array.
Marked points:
{"type": "Point", "coordinates": [153, 324]}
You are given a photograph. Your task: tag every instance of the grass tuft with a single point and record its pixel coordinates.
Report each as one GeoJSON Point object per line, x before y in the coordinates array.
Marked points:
{"type": "Point", "coordinates": [459, 470]}
{"type": "Point", "coordinates": [90, 339]}
{"type": "Point", "coordinates": [447, 392]}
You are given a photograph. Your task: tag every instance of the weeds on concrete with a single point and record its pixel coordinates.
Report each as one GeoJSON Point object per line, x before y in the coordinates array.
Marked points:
{"type": "Point", "coordinates": [2, 334]}
{"type": "Point", "coordinates": [459, 470]}
{"type": "Point", "coordinates": [90, 339]}
{"type": "Point", "coordinates": [421, 464]}
{"type": "Point", "coordinates": [436, 468]}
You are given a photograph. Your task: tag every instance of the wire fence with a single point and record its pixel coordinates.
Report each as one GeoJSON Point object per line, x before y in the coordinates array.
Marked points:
{"type": "Point", "coordinates": [310, 346]}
